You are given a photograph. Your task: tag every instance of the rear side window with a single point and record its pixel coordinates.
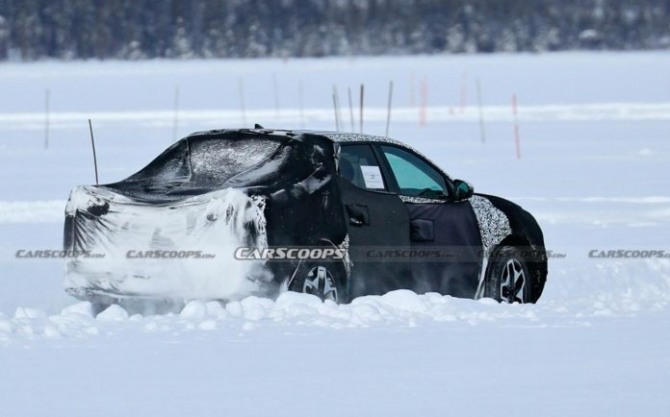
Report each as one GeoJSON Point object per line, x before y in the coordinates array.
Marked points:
{"type": "Point", "coordinates": [359, 166]}
{"type": "Point", "coordinates": [224, 158]}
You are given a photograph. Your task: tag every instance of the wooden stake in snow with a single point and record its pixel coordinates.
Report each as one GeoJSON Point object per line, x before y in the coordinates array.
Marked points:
{"type": "Point", "coordinates": [243, 110]}
{"type": "Point", "coordinates": [175, 124]}
{"type": "Point", "coordinates": [480, 107]}
{"type": "Point", "coordinates": [46, 118]}
{"type": "Point", "coordinates": [388, 109]}
{"type": "Point", "coordinates": [351, 109]}
{"type": "Point", "coordinates": [95, 158]}
{"type": "Point", "coordinates": [361, 106]}
{"type": "Point", "coordinates": [517, 139]}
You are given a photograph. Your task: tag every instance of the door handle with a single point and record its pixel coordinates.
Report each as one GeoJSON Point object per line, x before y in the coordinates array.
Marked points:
{"type": "Point", "coordinates": [359, 214]}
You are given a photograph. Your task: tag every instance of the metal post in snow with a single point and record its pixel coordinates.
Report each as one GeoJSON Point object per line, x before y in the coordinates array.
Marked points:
{"type": "Point", "coordinates": [175, 122]}
{"type": "Point", "coordinates": [301, 104]}
{"type": "Point", "coordinates": [351, 109]}
{"type": "Point", "coordinates": [336, 109]}
{"type": "Point", "coordinates": [517, 139]}
{"type": "Point", "coordinates": [243, 111]}
{"type": "Point", "coordinates": [424, 102]}
{"type": "Point", "coordinates": [464, 92]}
{"type": "Point", "coordinates": [339, 109]}
{"type": "Point", "coordinates": [275, 89]}
{"type": "Point", "coordinates": [412, 92]}
{"type": "Point", "coordinates": [95, 158]}
{"type": "Point", "coordinates": [46, 118]}
{"type": "Point", "coordinates": [361, 106]}
{"type": "Point", "coordinates": [388, 110]}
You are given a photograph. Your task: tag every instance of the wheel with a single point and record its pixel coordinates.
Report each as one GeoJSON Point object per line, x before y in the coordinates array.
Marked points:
{"type": "Point", "coordinates": [508, 278]}
{"type": "Point", "coordinates": [325, 280]}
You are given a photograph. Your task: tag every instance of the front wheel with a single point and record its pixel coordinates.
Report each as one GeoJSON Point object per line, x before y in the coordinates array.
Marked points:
{"type": "Point", "coordinates": [325, 280]}
{"type": "Point", "coordinates": [508, 278]}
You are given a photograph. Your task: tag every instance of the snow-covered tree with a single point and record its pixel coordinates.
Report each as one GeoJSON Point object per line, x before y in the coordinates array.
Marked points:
{"type": "Point", "coordinates": [135, 29]}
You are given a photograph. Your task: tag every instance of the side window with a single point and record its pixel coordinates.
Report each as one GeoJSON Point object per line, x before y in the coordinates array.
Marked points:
{"type": "Point", "coordinates": [359, 166]}
{"type": "Point", "coordinates": [414, 176]}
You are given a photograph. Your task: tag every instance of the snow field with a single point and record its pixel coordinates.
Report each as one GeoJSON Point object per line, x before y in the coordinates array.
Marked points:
{"type": "Point", "coordinates": [593, 171]}
{"type": "Point", "coordinates": [610, 292]}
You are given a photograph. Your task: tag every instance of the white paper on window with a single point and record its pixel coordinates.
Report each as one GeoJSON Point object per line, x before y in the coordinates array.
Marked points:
{"type": "Point", "coordinates": [372, 177]}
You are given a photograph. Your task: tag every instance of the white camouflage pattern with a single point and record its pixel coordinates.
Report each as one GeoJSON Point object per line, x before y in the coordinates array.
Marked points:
{"type": "Point", "coordinates": [493, 224]}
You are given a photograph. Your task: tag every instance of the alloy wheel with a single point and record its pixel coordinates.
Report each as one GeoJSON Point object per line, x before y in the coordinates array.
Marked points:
{"type": "Point", "coordinates": [320, 282]}
{"type": "Point", "coordinates": [513, 282]}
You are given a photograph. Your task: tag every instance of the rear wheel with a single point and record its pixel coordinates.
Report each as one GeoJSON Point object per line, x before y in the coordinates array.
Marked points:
{"type": "Point", "coordinates": [508, 278]}
{"type": "Point", "coordinates": [325, 280]}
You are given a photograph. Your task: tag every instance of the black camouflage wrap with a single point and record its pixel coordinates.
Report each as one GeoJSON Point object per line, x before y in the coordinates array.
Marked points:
{"type": "Point", "coordinates": [293, 177]}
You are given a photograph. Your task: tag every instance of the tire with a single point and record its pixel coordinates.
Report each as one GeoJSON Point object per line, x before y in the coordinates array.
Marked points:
{"type": "Point", "coordinates": [508, 278]}
{"type": "Point", "coordinates": [323, 279]}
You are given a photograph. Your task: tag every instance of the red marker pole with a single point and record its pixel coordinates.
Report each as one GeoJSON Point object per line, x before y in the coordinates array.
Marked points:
{"type": "Point", "coordinates": [517, 139]}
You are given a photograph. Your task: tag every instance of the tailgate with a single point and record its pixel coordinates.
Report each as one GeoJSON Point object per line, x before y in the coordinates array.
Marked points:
{"type": "Point", "coordinates": [181, 249]}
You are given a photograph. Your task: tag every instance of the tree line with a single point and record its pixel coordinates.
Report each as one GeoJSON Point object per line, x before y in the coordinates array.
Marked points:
{"type": "Point", "coordinates": [140, 29]}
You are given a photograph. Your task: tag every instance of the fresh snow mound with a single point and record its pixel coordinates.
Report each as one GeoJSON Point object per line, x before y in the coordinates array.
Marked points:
{"type": "Point", "coordinates": [401, 308]}
{"type": "Point", "coordinates": [113, 313]}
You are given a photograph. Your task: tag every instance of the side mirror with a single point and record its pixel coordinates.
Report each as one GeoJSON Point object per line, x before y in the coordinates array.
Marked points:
{"type": "Point", "coordinates": [462, 190]}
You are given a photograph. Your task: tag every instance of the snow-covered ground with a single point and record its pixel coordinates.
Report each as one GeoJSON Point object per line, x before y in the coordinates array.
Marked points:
{"type": "Point", "coordinates": [594, 143]}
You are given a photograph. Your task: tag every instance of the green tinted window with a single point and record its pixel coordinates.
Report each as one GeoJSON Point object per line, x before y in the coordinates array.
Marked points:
{"type": "Point", "coordinates": [415, 177]}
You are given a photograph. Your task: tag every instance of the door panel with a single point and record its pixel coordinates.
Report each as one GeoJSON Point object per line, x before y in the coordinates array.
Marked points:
{"type": "Point", "coordinates": [446, 232]}
{"type": "Point", "coordinates": [456, 241]}
{"type": "Point", "coordinates": [375, 220]}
